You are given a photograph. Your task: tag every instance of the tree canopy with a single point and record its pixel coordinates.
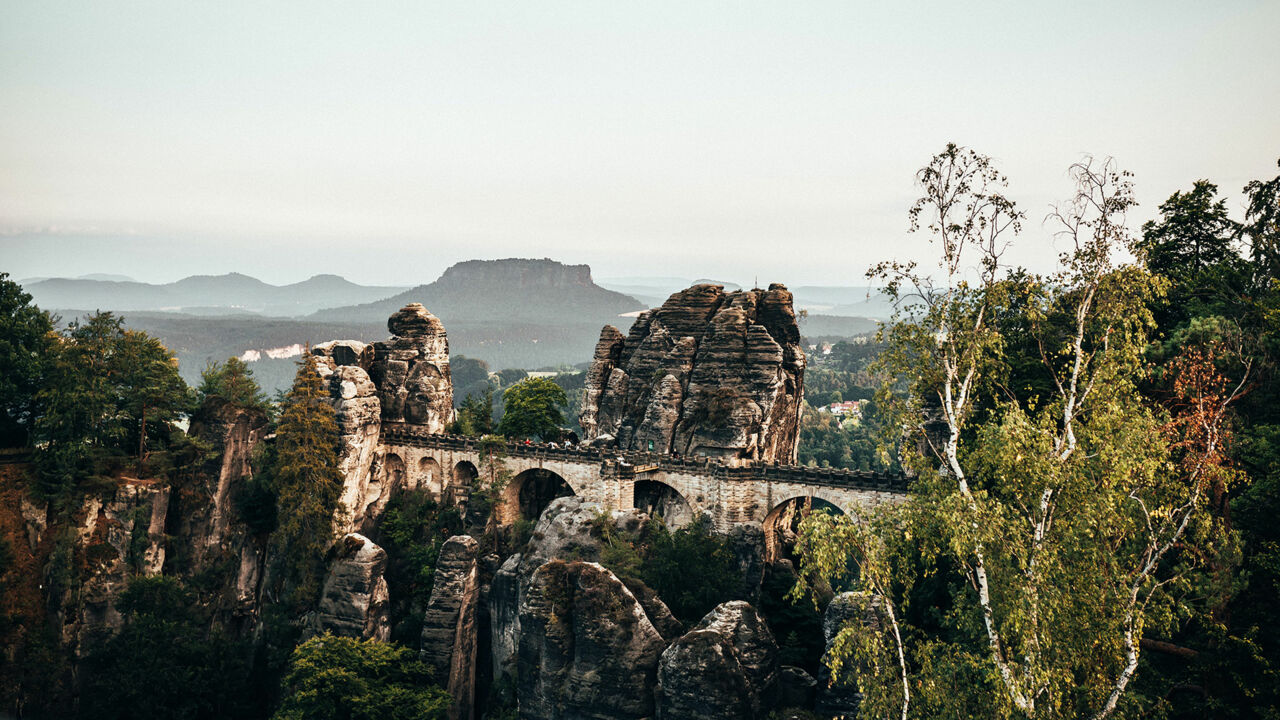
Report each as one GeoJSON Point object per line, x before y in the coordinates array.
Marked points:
{"type": "Point", "coordinates": [338, 678]}
{"type": "Point", "coordinates": [306, 480]}
{"type": "Point", "coordinates": [532, 408]}
{"type": "Point", "coordinates": [25, 336]}
{"type": "Point", "coordinates": [1064, 513]}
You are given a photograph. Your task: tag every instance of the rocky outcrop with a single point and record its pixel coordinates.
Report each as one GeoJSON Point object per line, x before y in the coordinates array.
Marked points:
{"type": "Point", "coordinates": [411, 370]}
{"type": "Point", "coordinates": [795, 688]}
{"type": "Point", "coordinates": [449, 624]}
{"type": "Point", "coordinates": [747, 543]}
{"type": "Point", "coordinates": [587, 648]}
{"type": "Point", "coordinates": [708, 373]}
{"type": "Point", "coordinates": [354, 601]}
{"type": "Point", "coordinates": [723, 669]}
{"type": "Point", "coordinates": [205, 519]}
{"type": "Point", "coordinates": [838, 697]}
{"type": "Point", "coordinates": [342, 364]}
{"type": "Point", "coordinates": [568, 528]}
{"type": "Point", "coordinates": [119, 537]}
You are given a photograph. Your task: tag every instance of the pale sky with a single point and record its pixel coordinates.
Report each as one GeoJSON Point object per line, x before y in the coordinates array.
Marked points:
{"type": "Point", "coordinates": [774, 140]}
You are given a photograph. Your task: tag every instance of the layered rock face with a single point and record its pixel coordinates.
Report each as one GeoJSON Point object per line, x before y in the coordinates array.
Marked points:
{"type": "Point", "coordinates": [449, 624]}
{"type": "Point", "coordinates": [402, 379]}
{"type": "Point", "coordinates": [587, 648]}
{"type": "Point", "coordinates": [206, 525]}
{"type": "Point", "coordinates": [708, 373]}
{"type": "Point", "coordinates": [120, 537]}
{"type": "Point", "coordinates": [723, 669]}
{"type": "Point", "coordinates": [343, 364]}
{"type": "Point", "coordinates": [354, 601]}
{"type": "Point", "coordinates": [837, 695]}
{"type": "Point", "coordinates": [567, 528]}
{"type": "Point", "coordinates": [411, 370]}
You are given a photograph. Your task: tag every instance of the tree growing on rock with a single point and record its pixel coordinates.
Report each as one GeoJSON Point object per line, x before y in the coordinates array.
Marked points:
{"type": "Point", "coordinates": [306, 480]}
{"type": "Point", "coordinates": [108, 394]}
{"type": "Point", "coordinates": [232, 381]}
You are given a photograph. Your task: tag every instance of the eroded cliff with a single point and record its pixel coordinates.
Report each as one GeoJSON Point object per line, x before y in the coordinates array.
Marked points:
{"type": "Point", "coordinates": [709, 373]}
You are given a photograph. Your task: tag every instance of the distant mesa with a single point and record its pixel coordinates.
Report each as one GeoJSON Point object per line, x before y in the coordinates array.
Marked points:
{"type": "Point", "coordinates": [536, 292]}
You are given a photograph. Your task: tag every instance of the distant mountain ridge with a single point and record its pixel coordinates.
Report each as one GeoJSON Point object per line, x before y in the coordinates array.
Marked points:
{"type": "Point", "coordinates": [205, 294]}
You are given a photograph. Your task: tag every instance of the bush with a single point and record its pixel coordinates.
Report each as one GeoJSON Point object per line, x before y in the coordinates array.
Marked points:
{"type": "Point", "coordinates": [336, 678]}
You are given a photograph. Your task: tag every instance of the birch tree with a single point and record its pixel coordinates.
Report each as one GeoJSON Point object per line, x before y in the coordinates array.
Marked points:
{"type": "Point", "coordinates": [1059, 495]}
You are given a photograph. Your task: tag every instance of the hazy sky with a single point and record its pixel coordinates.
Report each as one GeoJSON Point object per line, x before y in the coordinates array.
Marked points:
{"type": "Point", "coordinates": [385, 141]}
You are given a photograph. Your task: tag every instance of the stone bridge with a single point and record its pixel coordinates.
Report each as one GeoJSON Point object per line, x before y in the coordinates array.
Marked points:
{"type": "Point", "coordinates": [678, 488]}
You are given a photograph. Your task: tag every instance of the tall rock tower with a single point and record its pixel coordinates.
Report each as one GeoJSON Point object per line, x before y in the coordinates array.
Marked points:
{"type": "Point", "coordinates": [411, 370]}
{"type": "Point", "coordinates": [402, 379]}
{"type": "Point", "coordinates": [709, 373]}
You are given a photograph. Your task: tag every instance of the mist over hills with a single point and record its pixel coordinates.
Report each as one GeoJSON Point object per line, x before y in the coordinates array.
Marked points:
{"type": "Point", "coordinates": [204, 294]}
{"type": "Point", "coordinates": [511, 313]}
{"type": "Point", "coordinates": [854, 301]}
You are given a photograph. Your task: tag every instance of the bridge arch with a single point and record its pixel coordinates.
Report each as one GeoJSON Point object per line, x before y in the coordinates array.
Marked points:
{"type": "Point", "coordinates": [783, 521]}
{"type": "Point", "coordinates": [531, 491]}
{"type": "Point", "coordinates": [658, 498]}
{"type": "Point", "coordinates": [464, 475]}
{"type": "Point", "coordinates": [429, 477]}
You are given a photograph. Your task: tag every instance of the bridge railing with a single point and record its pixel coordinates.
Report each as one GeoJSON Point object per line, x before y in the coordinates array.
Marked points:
{"type": "Point", "coordinates": [630, 459]}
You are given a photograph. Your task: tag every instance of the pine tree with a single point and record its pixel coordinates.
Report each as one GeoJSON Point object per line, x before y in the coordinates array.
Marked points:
{"type": "Point", "coordinates": [306, 480]}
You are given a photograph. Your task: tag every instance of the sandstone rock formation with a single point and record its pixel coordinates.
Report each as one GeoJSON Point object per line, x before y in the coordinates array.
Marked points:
{"type": "Point", "coordinates": [724, 668]}
{"type": "Point", "coordinates": [343, 363]}
{"type": "Point", "coordinates": [795, 688]}
{"type": "Point", "coordinates": [120, 537]}
{"type": "Point", "coordinates": [587, 649]}
{"type": "Point", "coordinates": [411, 370]}
{"type": "Point", "coordinates": [354, 601]}
{"type": "Point", "coordinates": [402, 379]}
{"type": "Point", "coordinates": [838, 696]}
{"type": "Point", "coordinates": [708, 373]}
{"type": "Point", "coordinates": [747, 542]}
{"type": "Point", "coordinates": [449, 624]}
{"type": "Point", "coordinates": [567, 528]}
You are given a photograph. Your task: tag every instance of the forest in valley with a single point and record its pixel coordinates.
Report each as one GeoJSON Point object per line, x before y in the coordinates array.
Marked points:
{"type": "Point", "coordinates": [1094, 453]}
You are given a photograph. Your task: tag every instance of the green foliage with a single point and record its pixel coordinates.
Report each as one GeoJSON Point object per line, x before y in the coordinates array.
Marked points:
{"type": "Point", "coordinates": [823, 386]}
{"type": "Point", "coordinates": [233, 382]}
{"type": "Point", "coordinates": [532, 408]}
{"type": "Point", "coordinates": [162, 662]}
{"type": "Point", "coordinates": [413, 529]}
{"type": "Point", "coordinates": [1060, 513]}
{"type": "Point", "coordinates": [858, 445]}
{"type": "Point", "coordinates": [475, 416]}
{"type": "Point", "coordinates": [691, 569]}
{"type": "Point", "coordinates": [795, 622]}
{"type": "Point", "coordinates": [109, 393]}
{"type": "Point", "coordinates": [1218, 656]}
{"type": "Point", "coordinates": [336, 678]}
{"type": "Point", "coordinates": [306, 481]}
{"type": "Point", "coordinates": [24, 341]}
{"type": "Point", "coordinates": [510, 376]}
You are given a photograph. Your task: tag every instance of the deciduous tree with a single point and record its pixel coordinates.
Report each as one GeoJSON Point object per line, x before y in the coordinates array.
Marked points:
{"type": "Point", "coordinates": [1061, 507]}
{"type": "Point", "coordinates": [532, 408]}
